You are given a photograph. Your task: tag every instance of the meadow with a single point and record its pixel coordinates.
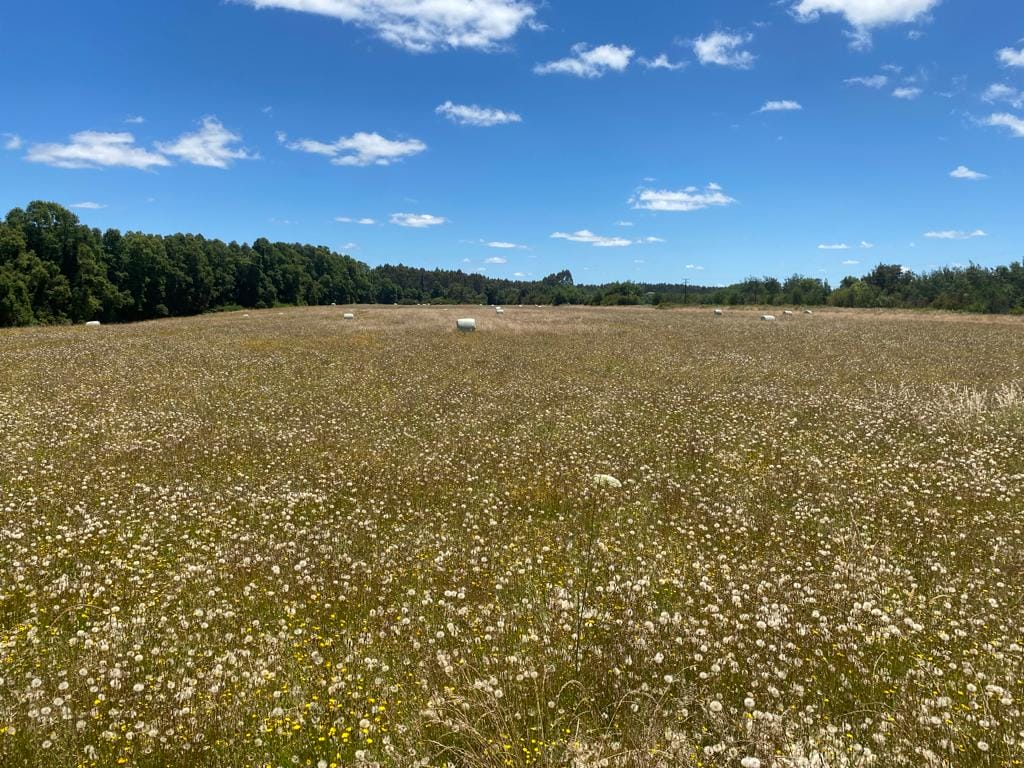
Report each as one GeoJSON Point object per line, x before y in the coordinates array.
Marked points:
{"type": "Point", "coordinates": [280, 538]}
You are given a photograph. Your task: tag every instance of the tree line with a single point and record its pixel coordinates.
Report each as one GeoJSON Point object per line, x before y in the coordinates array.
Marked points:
{"type": "Point", "coordinates": [54, 269]}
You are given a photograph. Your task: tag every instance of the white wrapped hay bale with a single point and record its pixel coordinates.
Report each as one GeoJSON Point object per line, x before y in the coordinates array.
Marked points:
{"type": "Point", "coordinates": [466, 324]}
{"type": "Point", "coordinates": [719, 312]}
{"type": "Point", "coordinates": [606, 481]}
{"type": "Point", "coordinates": [499, 311]}
{"type": "Point", "coordinates": [808, 312]}
{"type": "Point", "coordinates": [93, 323]}
{"type": "Point", "coordinates": [348, 316]}
{"type": "Point", "coordinates": [768, 318]}
{"type": "Point", "coordinates": [787, 312]}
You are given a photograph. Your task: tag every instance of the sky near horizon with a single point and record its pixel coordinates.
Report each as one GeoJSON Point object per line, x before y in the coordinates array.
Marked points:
{"type": "Point", "coordinates": [652, 141]}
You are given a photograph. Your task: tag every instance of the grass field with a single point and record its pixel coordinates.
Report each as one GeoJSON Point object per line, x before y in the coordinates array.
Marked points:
{"type": "Point", "coordinates": [285, 539]}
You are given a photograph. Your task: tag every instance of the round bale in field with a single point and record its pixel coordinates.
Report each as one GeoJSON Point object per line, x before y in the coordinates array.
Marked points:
{"type": "Point", "coordinates": [499, 311]}
{"type": "Point", "coordinates": [787, 312]}
{"type": "Point", "coordinates": [466, 324]}
{"type": "Point", "coordinates": [348, 316]}
{"type": "Point", "coordinates": [808, 312]}
{"type": "Point", "coordinates": [93, 323]}
{"type": "Point", "coordinates": [768, 317]}
{"type": "Point", "coordinates": [719, 312]}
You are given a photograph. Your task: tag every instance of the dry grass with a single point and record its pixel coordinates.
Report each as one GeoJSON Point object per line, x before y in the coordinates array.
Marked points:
{"type": "Point", "coordinates": [291, 540]}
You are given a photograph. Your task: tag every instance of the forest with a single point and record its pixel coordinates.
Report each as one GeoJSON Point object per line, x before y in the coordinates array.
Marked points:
{"type": "Point", "coordinates": [54, 269]}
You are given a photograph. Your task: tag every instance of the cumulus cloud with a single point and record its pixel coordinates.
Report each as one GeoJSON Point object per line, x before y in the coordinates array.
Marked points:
{"type": "Point", "coordinates": [88, 206]}
{"type": "Point", "coordinates": [865, 15]}
{"type": "Point", "coordinates": [417, 220]}
{"type": "Point", "coordinates": [724, 49]}
{"type": "Point", "coordinates": [963, 172]}
{"type": "Point", "coordinates": [685, 200]}
{"type": "Point", "coordinates": [96, 149]}
{"type": "Point", "coordinates": [359, 149]}
{"type": "Point", "coordinates": [350, 220]}
{"type": "Point", "coordinates": [833, 247]}
{"type": "Point", "coordinates": [586, 236]}
{"type": "Point", "coordinates": [471, 114]}
{"type": "Point", "coordinates": [907, 93]}
{"type": "Point", "coordinates": [1003, 120]}
{"type": "Point", "coordinates": [213, 146]}
{"type": "Point", "coordinates": [423, 25]}
{"type": "Point", "coordinates": [952, 234]}
{"type": "Point", "coordinates": [1011, 57]}
{"type": "Point", "coordinates": [662, 62]}
{"type": "Point", "coordinates": [12, 141]}
{"type": "Point", "coordinates": [1007, 93]}
{"type": "Point", "coordinates": [870, 81]}
{"type": "Point", "coordinates": [589, 62]}
{"type": "Point", "coordinates": [781, 106]}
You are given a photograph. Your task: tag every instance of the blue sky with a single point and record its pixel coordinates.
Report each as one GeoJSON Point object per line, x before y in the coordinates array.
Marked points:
{"type": "Point", "coordinates": [656, 140]}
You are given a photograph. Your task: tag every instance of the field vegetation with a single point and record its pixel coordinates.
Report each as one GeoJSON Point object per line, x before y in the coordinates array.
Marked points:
{"type": "Point", "coordinates": [279, 538]}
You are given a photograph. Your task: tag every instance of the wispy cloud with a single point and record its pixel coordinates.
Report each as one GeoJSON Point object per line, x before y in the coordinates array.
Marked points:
{"type": "Point", "coordinates": [424, 26]}
{"type": "Point", "coordinates": [213, 146]}
{"type": "Point", "coordinates": [781, 106]}
{"type": "Point", "coordinates": [952, 234]}
{"type": "Point", "coordinates": [471, 114]}
{"type": "Point", "coordinates": [833, 247]}
{"type": "Point", "coordinates": [849, 262]}
{"type": "Point", "coordinates": [589, 62]}
{"type": "Point", "coordinates": [586, 236]}
{"type": "Point", "coordinates": [866, 245]}
{"type": "Point", "coordinates": [417, 220]}
{"type": "Point", "coordinates": [135, 120]}
{"type": "Point", "coordinates": [96, 149]}
{"type": "Point", "coordinates": [1007, 93]}
{"type": "Point", "coordinates": [504, 246]}
{"type": "Point", "coordinates": [88, 206]}
{"type": "Point", "coordinates": [696, 267]}
{"type": "Point", "coordinates": [1003, 120]}
{"type": "Point", "coordinates": [12, 141]}
{"type": "Point", "coordinates": [963, 172]}
{"type": "Point", "coordinates": [684, 200]}
{"type": "Point", "coordinates": [724, 49]}
{"type": "Point", "coordinates": [662, 62]}
{"type": "Point", "coordinates": [908, 93]}
{"type": "Point", "coordinates": [496, 260]}
{"type": "Point", "coordinates": [360, 149]}
{"type": "Point", "coordinates": [870, 81]}
{"type": "Point", "coordinates": [350, 220]}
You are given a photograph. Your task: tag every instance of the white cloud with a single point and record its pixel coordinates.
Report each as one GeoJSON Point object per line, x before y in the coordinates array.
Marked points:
{"type": "Point", "coordinates": [951, 234]}
{"type": "Point", "coordinates": [871, 81]}
{"type": "Point", "coordinates": [360, 149]}
{"type": "Point", "coordinates": [212, 146]}
{"type": "Point", "coordinates": [833, 247]}
{"type": "Point", "coordinates": [471, 114]}
{"type": "Point", "coordinates": [1000, 92]}
{"type": "Point", "coordinates": [423, 25]}
{"type": "Point", "coordinates": [653, 240]}
{"type": "Point", "coordinates": [88, 206]}
{"type": "Point", "coordinates": [417, 220]}
{"type": "Point", "coordinates": [697, 267]}
{"type": "Point", "coordinates": [963, 172]}
{"type": "Point", "coordinates": [1011, 57]}
{"type": "Point", "coordinates": [623, 223]}
{"type": "Point", "coordinates": [496, 260]}
{"type": "Point", "coordinates": [503, 245]}
{"type": "Point", "coordinates": [95, 149]}
{"type": "Point", "coordinates": [350, 220]}
{"type": "Point", "coordinates": [865, 15]}
{"type": "Point", "coordinates": [781, 106]}
{"type": "Point", "coordinates": [866, 245]}
{"type": "Point", "coordinates": [135, 120]}
{"type": "Point", "coordinates": [586, 236]}
{"type": "Point", "coordinates": [662, 62]}
{"type": "Point", "coordinates": [1014, 123]}
{"type": "Point", "coordinates": [12, 141]}
{"type": "Point", "coordinates": [724, 49]}
{"type": "Point", "coordinates": [519, 274]}
{"type": "Point", "coordinates": [589, 62]}
{"type": "Point", "coordinates": [850, 262]}
{"type": "Point", "coordinates": [689, 199]}
{"type": "Point", "coordinates": [908, 93]}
